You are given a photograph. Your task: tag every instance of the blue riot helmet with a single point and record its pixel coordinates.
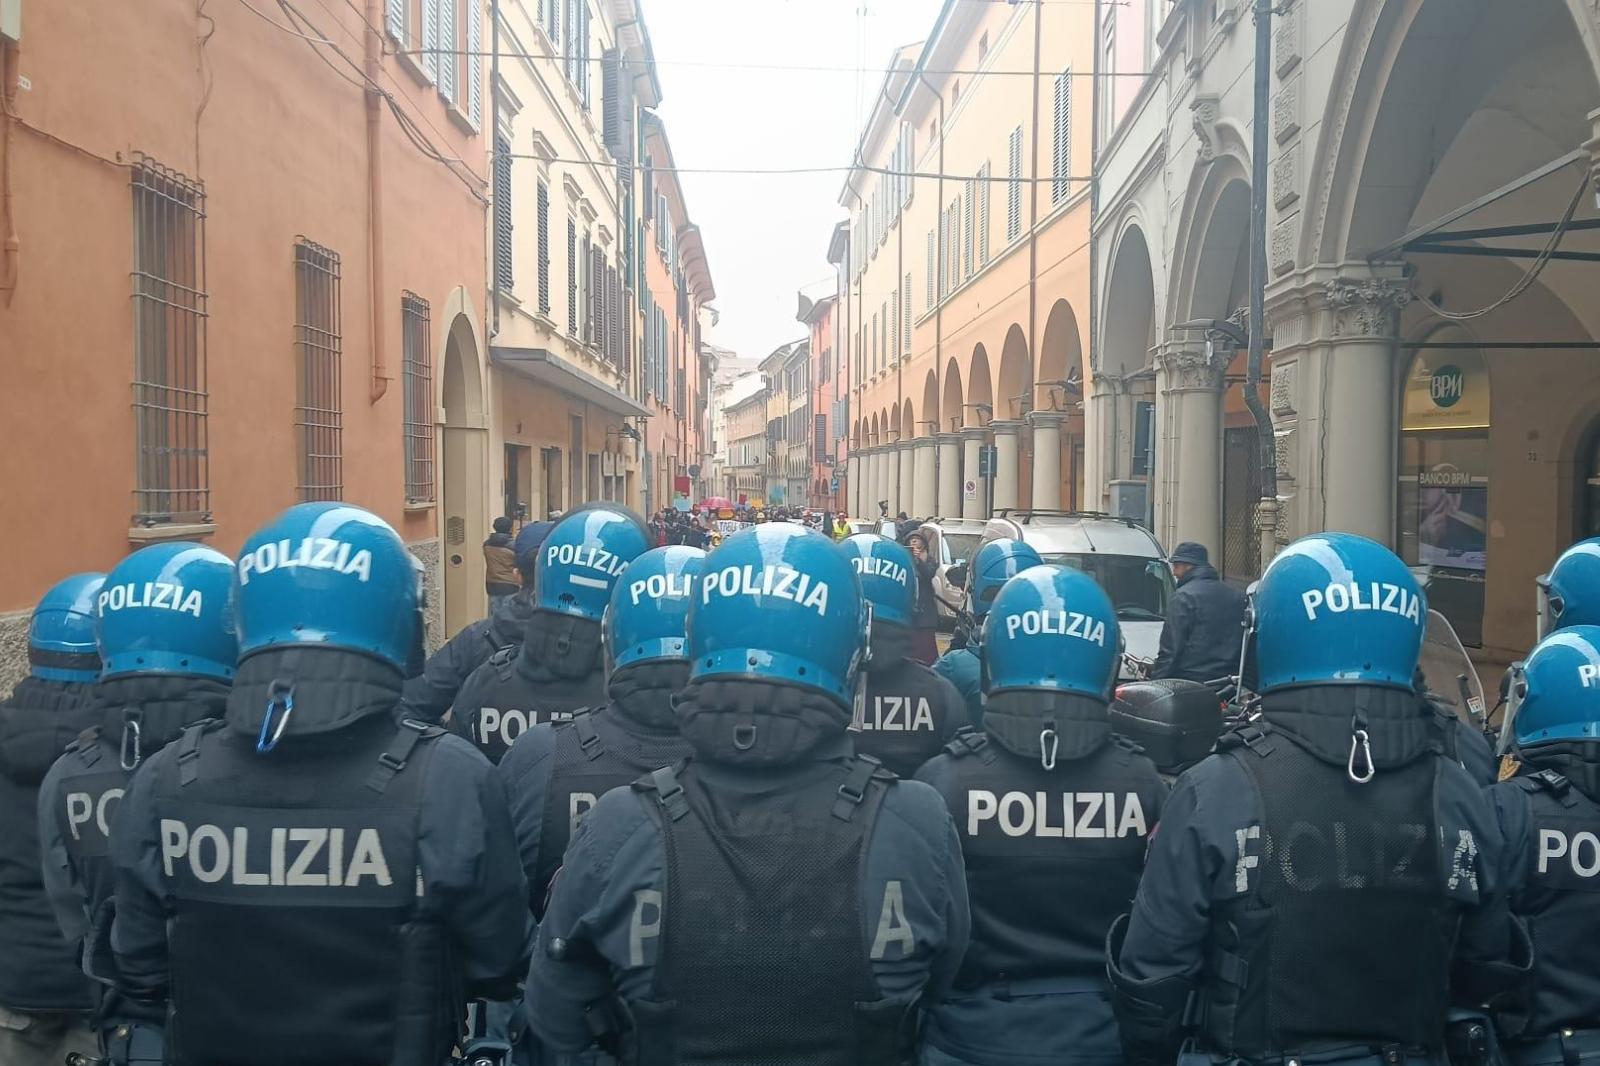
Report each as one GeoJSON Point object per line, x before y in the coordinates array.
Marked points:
{"type": "Point", "coordinates": [1051, 629]}
{"type": "Point", "coordinates": [168, 609]}
{"type": "Point", "coordinates": [330, 575]}
{"type": "Point", "coordinates": [1570, 593]}
{"type": "Point", "coordinates": [582, 557]}
{"type": "Point", "coordinates": [779, 603]}
{"type": "Point", "coordinates": [61, 644]}
{"type": "Point", "coordinates": [994, 564]}
{"type": "Point", "coordinates": [887, 577]}
{"type": "Point", "coordinates": [1338, 609]}
{"type": "Point", "coordinates": [647, 620]}
{"type": "Point", "coordinates": [1558, 689]}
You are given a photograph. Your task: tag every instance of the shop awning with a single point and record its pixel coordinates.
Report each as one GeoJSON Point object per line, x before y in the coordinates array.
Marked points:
{"type": "Point", "coordinates": [544, 366]}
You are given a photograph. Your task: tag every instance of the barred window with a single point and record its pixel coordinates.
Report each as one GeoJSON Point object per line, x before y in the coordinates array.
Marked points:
{"type": "Point", "coordinates": [417, 369]}
{"type": "Point", "coordinates": [318, 414]}
{"type": "Point", "coordinates": [170, 400]}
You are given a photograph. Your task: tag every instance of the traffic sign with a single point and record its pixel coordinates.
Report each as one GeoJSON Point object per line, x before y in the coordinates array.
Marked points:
{"type": "Point", "coordinates": [987, 460]}
{"type": "Point", "coordinates": [833, 485]}
{"type": "Point", "coordinates": [969, 490]}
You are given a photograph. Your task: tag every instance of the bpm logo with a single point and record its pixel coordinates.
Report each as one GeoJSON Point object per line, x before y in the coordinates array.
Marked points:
{"type": "Point", "coordinates": [1447, 385]}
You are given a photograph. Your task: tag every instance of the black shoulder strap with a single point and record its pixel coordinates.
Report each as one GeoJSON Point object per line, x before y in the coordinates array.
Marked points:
{"type": "Point", "coordinates": [189, 752]}
{"type": "Point", "coordinates": [588, 739]}
{"type": "Point", "coordinates": [392, 760]}
{"type": "Point", "coordinates": [502, 661]}
{"type": "Point", "coordinates": [1551, 782]}
{"type": "Point", "coordinates": [1252, 736]}
{"type": "Point", "coordinates": [863, 768]}
{"type": "Point", "coordinates": [669, 793]}
{"type": "Point", "coordinates": [967, 742]}
{"type": "Point", "coordinates": [87, 744]}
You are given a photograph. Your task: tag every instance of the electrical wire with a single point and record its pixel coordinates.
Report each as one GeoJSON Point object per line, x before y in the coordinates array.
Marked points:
{"type": "Point", "coordinates": [781, 171]}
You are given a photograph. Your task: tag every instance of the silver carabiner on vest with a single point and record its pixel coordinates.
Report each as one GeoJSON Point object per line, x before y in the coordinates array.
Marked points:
{"type": "Point", "coordinates": [280, 694]}
{"type": "Point", "coordinates": [131, 733]}
{"type": "Point", "coordinates": [1358, 739]}
{"type": "Point", "coordinates": [1049, 744]}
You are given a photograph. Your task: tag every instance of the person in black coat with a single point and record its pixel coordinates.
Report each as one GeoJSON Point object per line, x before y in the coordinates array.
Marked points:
{"type": "Point", "coordinates": [1205, 621]}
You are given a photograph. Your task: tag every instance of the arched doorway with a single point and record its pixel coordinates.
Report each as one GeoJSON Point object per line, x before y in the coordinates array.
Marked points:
{"type": "Point", "coordinates": [464, 447]}
{"type": "Point", "coordinates": [1121, 455]}
{"type": "Point", "coordinates": [1059, 388]}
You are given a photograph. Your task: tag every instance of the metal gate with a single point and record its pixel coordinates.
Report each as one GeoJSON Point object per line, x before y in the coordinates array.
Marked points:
{"type": "Point", "coordinates": [1241, 489]}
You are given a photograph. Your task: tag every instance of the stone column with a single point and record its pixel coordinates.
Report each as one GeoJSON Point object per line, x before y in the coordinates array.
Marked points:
{"type": "Point", "coordinates": [906, 456]}
{"type": "Point", "coordinates": [972, 439]}
{"type": "Point", "coordinates": [1361, 405]}
{"type": "Point", "coordinates": [924, 484]}
{"type": "Point", "coordinates": [1047, 459]}
{"type": "Point", "coordinates": [1189, 460]}
{"type": "Point", "coordinates": [949, 447]}
{"type": "Point", "coordinates": [852, 489]}
{"type": "Point", "coordinates": [891, 476]}
{"type": "Point", "coordinates": [874, 485]}
{"type": "Point", "coordinates": [1007, 460]}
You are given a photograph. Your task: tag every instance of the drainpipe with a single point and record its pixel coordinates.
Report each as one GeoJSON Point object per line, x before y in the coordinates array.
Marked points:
{"type": "Point", "coordinates": [494, 162]}
{"type": "Point", "coordinates": [10, 73]}
{"type": "Point", "coordinates": [1109, 456]}
{"type": "Point", "coordinates": [1033, 229]}
{"type": "Point", "coordinates": [1258, 265]}
{"type": "Point", "coordinates": [375, 288]}
{"type": "Point", "coordinates": [938, 255]}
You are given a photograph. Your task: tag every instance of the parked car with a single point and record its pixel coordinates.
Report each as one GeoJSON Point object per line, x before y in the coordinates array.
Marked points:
{"type": "Point", "coordinates": [951, 541]}
{"type": "Point", "coordinates": [1122, 556]}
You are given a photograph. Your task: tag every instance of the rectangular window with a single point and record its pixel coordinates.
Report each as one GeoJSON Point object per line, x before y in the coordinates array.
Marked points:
{"type": "Point", "coordinates": [894, 326]}
{"type": "Point", "coordinates": [874, 363]}
{"type": "Point", "coordinates": [430, 38]}
{"type": "Point", "coordinates": [1014, 185]}
{"type": "Point", "coordinates": [397, 20]}
{"type": "Point", "coordinates": [983, 213]}
{"type": "Point", "coordinates": [883, 338]}
{"type": "Point", "coordinates": [318, 409]}
{"type": "Point", "coordinates": [953, 244]}
{"type": "Point", "coordinates": [966, 227]}
{"type": "Point", "coordinates": [1108, 97]}
{"type": "Point", "coordinates": [909, 133]}
{"type": "Point", "coordinates": [448, 55]}
{"type": "Point", "coordinates": [503, 276]}
{"type": "Point", "coordinates": [170, 400]}
{"type": "Point", "coordinates": [417, 372]}
{"type": "Point", "coordinates": [821, 438]}
{"type": "Point", "coordinates": [983, 47]}
{"type": "Point", "coordinates": [906, 318]}
{"type": "Point", "coordinates": [474, 61]}
{"type": "Point", "coordinates": [542, 205]}
{"type": "Point", "coordinates": [928, 280]}
{"type": "Point", "coordinates": [1061, 146]}
{"type": "Point", "coordinates": [572, 276]}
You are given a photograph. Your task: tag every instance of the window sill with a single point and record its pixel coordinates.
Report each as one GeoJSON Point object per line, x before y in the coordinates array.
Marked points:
{"type": "Point", "coordinates": [420, 506]}
{"type": "Point", "coordinates": [157, 534]}
{"type": "Point", "coordinates": [409, 64]}
{"type": "Point", "coordinates": [461, 118]}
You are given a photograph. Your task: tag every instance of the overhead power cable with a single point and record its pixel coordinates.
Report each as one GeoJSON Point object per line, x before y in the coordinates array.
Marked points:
{"type": "Point", "coordinates": [840, 168]}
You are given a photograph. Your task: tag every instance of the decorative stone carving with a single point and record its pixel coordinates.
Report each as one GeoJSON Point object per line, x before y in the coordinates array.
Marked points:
{"type": "Point", "coordinates": [1206, 108]}
{"type": "Point", "coordinates": [1286, 449]}
{"type": "Point", "coordinates": [1284, 376]}
{"type": "Point", "coordinates": [1358, 42]}
{"type": "Point", "coordinates": [1366, 307]}
{"type": "Point", "coordinates": [1286, 39]}
{"type": "Point", "coordinates": [1285, 237]}
{"type": "Point", "coordinates": [1190, 368]}
{"type": "Point", "coordinates": [427, 553]}
{"type": "Point", "coordinates": [1286, 110]}
{"type": "Point", "coordinates": [1286, 176]}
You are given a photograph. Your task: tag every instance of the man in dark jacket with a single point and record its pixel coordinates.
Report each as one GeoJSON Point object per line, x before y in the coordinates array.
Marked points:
{"type": "Point", "coordinates": [1205, 621]}
{"type": "Point", "coordinates": [44, 997]}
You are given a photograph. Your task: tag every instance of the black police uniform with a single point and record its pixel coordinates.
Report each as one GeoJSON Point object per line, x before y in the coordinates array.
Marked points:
{"type": "Point", "coordinates": [1287, 909]}
{"type": "Point", "coordinates": [558, 770]}
{"type": "Point", "coordinates": [905, 714]}
{"type": "Point", "coordinates": [1053, 856]}
{"type": "Point", "coordinates": [556, 671]}
{"type": "Point", "coordinates": [429, 695]}
{"type": "Point", "coordinates": [775, 899]}
{"type": "Point", "coordinates": [335, 900]}
{"type": "Point", "coordinates": [81, 797]}
{"type": "Point", "coordinates": [1551, 819]}
{"type": "Point", "coordinates": [39, 971]}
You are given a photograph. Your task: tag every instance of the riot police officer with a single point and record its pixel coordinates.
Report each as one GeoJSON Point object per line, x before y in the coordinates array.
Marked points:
{"type": "Point", "coordinates": [1569, 594]}
{"type": "Point", "coordinates": [44, 997]}
{"type": "Point", "coordinates": [557, 771]}
{"type": "Point", "coordinates": [306, 879]}
{"type": "Point", "coordinates": [1052, 806]}
{"type": "Point", "coordinates": [558, 667]}
{"type": "Point", "coordinates": [904, 712]}
{"type": "Point", "coordinates": [776, 898]}
{"type": "Point", "coordinates": [1550, 814]}
{"type": "Point", "coordinates": [429, 694]}
{"type": "Point", "coordinates": [1315, 879]}
{"type": "Point", "coordinates": [168, 651]}
{"type": "Point", "coordinates": [992, 566]}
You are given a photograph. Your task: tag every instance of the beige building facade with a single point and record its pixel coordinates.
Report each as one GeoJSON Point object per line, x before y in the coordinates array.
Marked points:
{"type": "Point", "coordinates": [967, 292]}
{"type": "Point", "coordinates": [1433, 382]}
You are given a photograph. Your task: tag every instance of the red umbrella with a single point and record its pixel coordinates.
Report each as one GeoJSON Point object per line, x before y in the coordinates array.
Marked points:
{"type": "Point", "coordinates": [717, 503]}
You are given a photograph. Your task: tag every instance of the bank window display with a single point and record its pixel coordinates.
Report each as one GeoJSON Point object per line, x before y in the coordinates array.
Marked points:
{"type": "Point", "coordinates": [1444, 478]}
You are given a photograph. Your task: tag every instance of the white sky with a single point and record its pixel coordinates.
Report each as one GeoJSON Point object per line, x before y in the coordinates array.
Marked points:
{"type": "Point", "coordinates": [766, 236]}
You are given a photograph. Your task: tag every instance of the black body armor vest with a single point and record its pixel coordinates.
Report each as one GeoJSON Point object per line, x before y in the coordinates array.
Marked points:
{"type": "Point", "coordinates": [292, 885]}
{"type": "Point", "coordinates": [84, 811]}
{"type": "Point", "coordinates": [1559, 900]}
{"type": "Point", "coordinates": [512, 702]}
{"type": "Point", "coordinates": [594, 753]}
{"type": "Point", "coordinates": [1034, 837]}
{"type": "Point", "coordinates": [900, 717]}
{"type": "Point", "coordinates": [761, 960]}
{"type": "Point", "coordinates": [1344, 932]}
